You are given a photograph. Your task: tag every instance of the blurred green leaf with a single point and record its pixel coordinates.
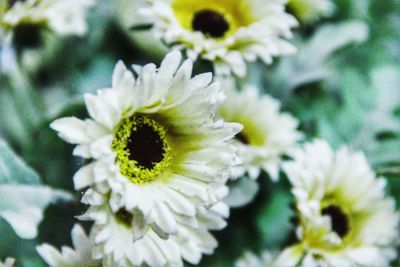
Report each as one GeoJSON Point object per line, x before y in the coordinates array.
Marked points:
{"type": "Point", "coordinates": [141, 27]}
{"type": "Point", "coordinates": [274, 219]}
{"type": "Point", "coordinates": [12, 121]}
{"type": "Point", "coordinates": [13, 170]}
{"type": "Point", "coordinates": [310, 64]}
{"type": "Point", "coordinates": [22, 206]}
{"type": "Point", "coordinates": [22, 198]}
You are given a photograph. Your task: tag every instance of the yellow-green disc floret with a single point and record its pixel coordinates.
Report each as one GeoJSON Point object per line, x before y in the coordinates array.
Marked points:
{"type": "Point", "coordinates": [142, 149]}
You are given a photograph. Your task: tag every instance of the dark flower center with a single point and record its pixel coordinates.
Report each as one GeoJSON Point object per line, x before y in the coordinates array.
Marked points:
{"type": "Point", "coordinates": [242, 138]}
{"type": "Point", "coordinates": [146, 146]}
{"type": "Point", "coordinates": [124, 217]}
{"type": "Point", "coordinates": [141, 148]}
{"type": "Point", "coordinates": [339, 220]}
{"type": "Point", "coordinates": [210, 23]}
{"type": "Point", "coordinates": [27, 36]}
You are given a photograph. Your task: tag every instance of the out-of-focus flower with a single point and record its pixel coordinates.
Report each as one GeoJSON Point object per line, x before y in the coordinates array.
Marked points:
{"type": "Point", "coordinates": [128, 16]}
{"type": "Point", "coordinates": [79, 256]}
{"type": "Point", "coordinates": [117, 244]}
{"type": "Point", "coordinates": [308, 11]}
{"type": "Point", "coordinates": [344, 218]}
{"type": "Point", "coordinates": [9, 262]}
{"type": "Point", "coordinates": [267, 259]}
{"type": "Point", "coordinates": [61, 16]}
{"type": "Point", "coordinates": [227, 33]}
{"type": "Point", "coordinates": [155, 145]}
{"type": "Point", "coordinates": [267, 133]}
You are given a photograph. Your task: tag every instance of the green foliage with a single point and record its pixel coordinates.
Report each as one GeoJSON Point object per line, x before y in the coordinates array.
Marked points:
{"type": "Point", "coordinates": [22, 198]}
{"type": "Point", "coordinates": [13, 170]}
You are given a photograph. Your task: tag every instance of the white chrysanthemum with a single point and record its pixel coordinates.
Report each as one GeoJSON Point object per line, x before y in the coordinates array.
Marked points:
{"type": "Point", "coordinates": [309, 11]}
{"type": "Point", "coordinates": [9, 262]}
{"type": "Point", "coordinates": [154, 142]}
{"type": "Point", "coordinates": [62, 16]}
{"type": "Point", "coordinates": [249, 259]}
{"type": "Point", "coordinates": [267, 259]}
{"type": "Point", "coordinates": [117, 243]}
{"type": "Point", "coordinates": [344, 217]}
{"type": "Point", "coordinates": [267, 133]}
{"type": "Point", "coordinates": [227, 33]}
{"type": "Point", "coordinates": [81, 256]}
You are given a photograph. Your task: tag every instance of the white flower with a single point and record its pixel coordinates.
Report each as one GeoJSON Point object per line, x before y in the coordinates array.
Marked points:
{"type": "Point", "coordinates": [61, 16]}
{"type": "Point", "coordinates": [267, 259]}
{"type": "Point", "coordinates": [194, 242]}
{"type": "Point", "coordinates": [128, 15]}
{"type": "Point", "coordinates": [267, 133]}
{"type": "Point", "coordinates": [227, 33]}
{"type": "Point", "coordinates": [249, 259]}
{"type": "Point", "coordinates": [308, 11]}
{"type": "Point", "coordinates": [9, 262]}
{"type": "Point", "coordinates": [81, 256]}
{"type": "Point", "coordinates": [155, 144]}
{"type": "Point", "coordinates": [117, 244]}
{"type": "Point", "coordinates": [344, 217]}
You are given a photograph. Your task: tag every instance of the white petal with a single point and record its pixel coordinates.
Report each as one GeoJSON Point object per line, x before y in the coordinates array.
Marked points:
{"type": "Point", "coordinates": [71, 129]}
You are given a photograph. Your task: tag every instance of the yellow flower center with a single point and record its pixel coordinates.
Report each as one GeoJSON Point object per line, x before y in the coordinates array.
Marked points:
{"type": "Point", "coordinates": [142, 150]}
{"type": "Point", "coordinates": [251, 134]}
{"type": "Point", "coordinates": [345, 222]}
{"type": "Point", "coordinates": [216, 19]}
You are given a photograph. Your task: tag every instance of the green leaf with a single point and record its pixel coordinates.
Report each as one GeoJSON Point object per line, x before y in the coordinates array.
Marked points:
{"type": "Point", "coordinates": [22, 198]}
{"type": "Point", "coordinates": [141, 27]}
{"type": "Point", "coordinates": [12, 122]}
{"type": "Point", "coordinates": [274, 221]}
{"type": "Point", "coordinates": [365, 117]}
{"type": "Point", "coordinates": [22, 206]}
{"type": "Point", "coordinates": [310, 63]}
{"type": "Point", "coordinates": [13, 169]}
{"type": "Point", "coordinates": [331, 37]}
{"type": "Point", "coordinates": [386, 81]}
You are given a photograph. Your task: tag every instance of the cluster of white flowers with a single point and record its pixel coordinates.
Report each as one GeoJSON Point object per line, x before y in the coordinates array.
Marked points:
{"type": "Point", "coordinates": [161, 145]}
{"type": "Point", "coordinates": [159, 163]}
{"type": "Point", "coordinates": [160, 159]}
